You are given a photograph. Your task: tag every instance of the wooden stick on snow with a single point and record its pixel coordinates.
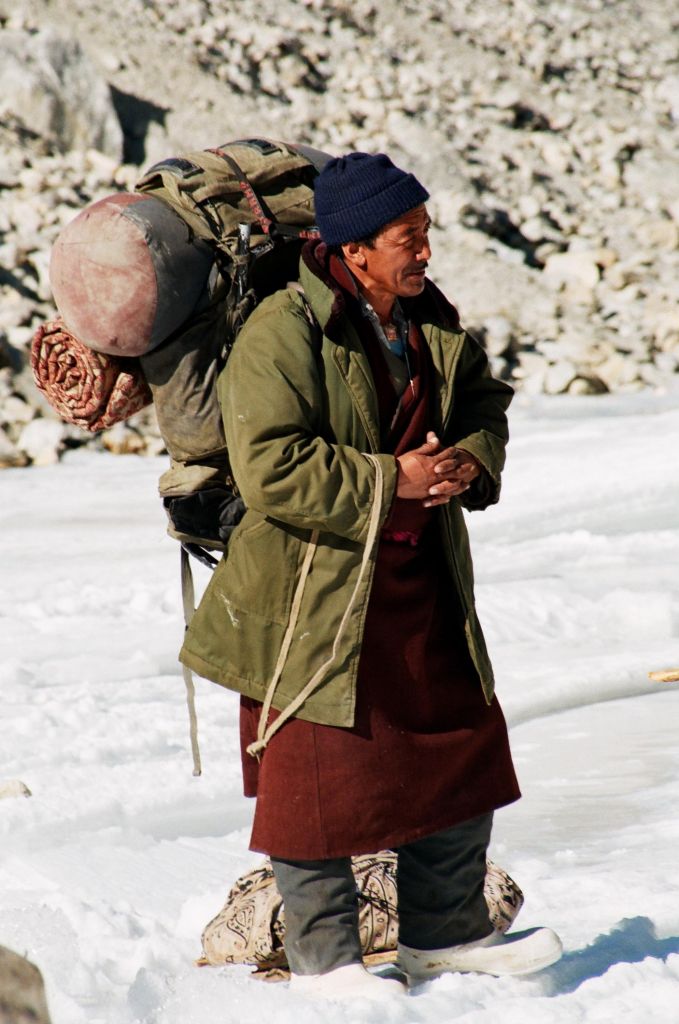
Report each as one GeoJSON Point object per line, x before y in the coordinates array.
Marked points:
{"type": "Point", "coordinates": [665, 675]}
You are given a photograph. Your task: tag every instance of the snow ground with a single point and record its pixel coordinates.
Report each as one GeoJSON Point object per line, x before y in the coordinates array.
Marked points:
{"type": "Point", "coordinates": [111, 869]}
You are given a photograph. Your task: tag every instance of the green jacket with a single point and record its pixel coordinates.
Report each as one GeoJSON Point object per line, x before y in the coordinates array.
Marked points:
{"type": "Point", "coordinates": [301, 417]}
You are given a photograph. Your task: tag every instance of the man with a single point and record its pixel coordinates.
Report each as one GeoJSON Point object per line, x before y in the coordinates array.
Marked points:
{"type": "Point", "coordinates": [360, 419]}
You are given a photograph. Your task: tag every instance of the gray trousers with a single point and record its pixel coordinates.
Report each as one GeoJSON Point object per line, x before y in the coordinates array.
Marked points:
{"type": "Point", "coordinates": [440, 899]}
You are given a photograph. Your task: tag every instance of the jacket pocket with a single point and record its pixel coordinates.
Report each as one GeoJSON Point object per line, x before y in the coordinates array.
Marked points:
{"type": "Point", "coordinates": [258, 575]}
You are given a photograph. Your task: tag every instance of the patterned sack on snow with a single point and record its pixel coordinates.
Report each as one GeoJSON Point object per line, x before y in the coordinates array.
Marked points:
{"type": "Point", "coordinates": [87, 388]}
{"type": "Point", "coordinates": [251, 926]}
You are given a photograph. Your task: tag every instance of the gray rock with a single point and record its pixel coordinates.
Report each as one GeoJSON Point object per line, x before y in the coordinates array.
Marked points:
{"type": "Point", "coordinates": [660, 234]}
{"type": "Point", "coordinates": [49, 83]}
{"type": "Point", "coordinates": [580, 267]}
{"type": "Point", "coordinates": [618, 372]}
{"type": "Point", "coordinates": [668, 92]}
{"type": "Point", "coordinates": [10, 455]}
{"type": "Point", "coordinates": [559, 377]}
{"type": "Point", "coordinates": [651, 374]}
{"type": "Point", "coordinates": [499, 338]}
{"type": "Point", "coordinates": [13, 788]}
{"type": "Point", "coordinates": [667, 362]}
{"type": "Point", "coordinates": [586, 386]}
{"type": "Point", "coordinates": [22, 991]}
{"type": "Point", "coordinates": [121, 439]}
{"type": "Point", "coordinates": [534, 383]}
{"type": "Point", "coordinates": [15, 410]}
{"type": "Point", "coordinates": [42, 441]}
{"type": "Point", "coordinates": [19, 336]}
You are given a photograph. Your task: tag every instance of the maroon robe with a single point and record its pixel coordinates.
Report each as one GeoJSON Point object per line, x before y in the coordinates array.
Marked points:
{"type": "Point", "coordinates": [426, 751]}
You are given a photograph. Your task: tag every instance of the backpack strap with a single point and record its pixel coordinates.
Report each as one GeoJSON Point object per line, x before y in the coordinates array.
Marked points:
{"type": "Point", "coordinates": [296, 286]}
{"type": "Point", "coordinates": [189, 603]}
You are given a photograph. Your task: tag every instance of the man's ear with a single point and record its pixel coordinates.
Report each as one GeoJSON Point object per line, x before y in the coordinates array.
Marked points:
{"type": "Point", "coordinates": [353, 254]}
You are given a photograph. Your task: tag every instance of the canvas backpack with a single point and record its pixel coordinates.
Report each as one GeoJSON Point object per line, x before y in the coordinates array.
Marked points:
{"type": "Point", "coordinates": [153, 288]}
{"type": "Point", "coordinates": [251, 203]}
{"type": "Point", "coordinates": [164, 278]}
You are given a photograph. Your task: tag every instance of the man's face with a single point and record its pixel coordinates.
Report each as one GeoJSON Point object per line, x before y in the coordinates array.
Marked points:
{"type": "Point", "coordinates": [397, 264]}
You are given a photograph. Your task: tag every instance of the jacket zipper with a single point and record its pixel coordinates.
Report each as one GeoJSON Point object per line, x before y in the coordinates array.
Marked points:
{"type": "Point", "coordinates": [369, 432]}
{"type": "Point", "coordinates": [445, 419]}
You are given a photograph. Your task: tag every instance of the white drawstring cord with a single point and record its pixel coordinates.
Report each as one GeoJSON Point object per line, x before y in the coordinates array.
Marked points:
{"type": "Point", "coordinates": [264, 732]}
{"type": "Point", "coordinates": [189, 602]}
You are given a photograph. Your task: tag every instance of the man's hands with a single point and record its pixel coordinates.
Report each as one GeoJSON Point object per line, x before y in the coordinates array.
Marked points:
{"type": "Point", "coordinates": [435, 474]}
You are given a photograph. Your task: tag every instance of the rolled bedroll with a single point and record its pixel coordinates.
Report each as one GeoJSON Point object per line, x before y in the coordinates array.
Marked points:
{"type": "Point", "coordinates": [92, 390]}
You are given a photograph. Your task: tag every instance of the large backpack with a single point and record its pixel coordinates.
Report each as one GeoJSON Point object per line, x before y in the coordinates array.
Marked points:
{"type": "Point", "coordinates": [252, 202]}
{"type": "Point", "coordinates": [154, 286]}
{"type": "Point", "coordinates": [168, 276]}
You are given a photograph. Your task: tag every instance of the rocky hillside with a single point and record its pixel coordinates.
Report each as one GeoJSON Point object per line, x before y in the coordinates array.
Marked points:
{"type": "Point", "coordinates": [547, 132]}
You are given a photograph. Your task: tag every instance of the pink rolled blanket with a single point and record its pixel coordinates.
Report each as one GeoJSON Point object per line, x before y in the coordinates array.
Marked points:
{"type": "Point", "coordinates": [87, 388]}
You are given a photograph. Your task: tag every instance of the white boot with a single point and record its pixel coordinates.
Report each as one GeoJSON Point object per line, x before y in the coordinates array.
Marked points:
{"type": "Point", "coordinates": [519, 953]}
{"type": "Point", "coordinates": [352, 981]}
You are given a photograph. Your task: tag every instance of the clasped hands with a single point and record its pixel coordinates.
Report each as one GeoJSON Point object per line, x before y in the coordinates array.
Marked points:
{"type": "Point", "coordinates": [435, 474]}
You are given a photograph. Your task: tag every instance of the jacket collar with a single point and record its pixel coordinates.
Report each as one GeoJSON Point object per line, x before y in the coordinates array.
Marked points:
{"type": "Point", "coordinates": [328, 286]}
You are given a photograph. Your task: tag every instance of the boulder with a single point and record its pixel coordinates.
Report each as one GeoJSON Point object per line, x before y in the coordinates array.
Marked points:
{"type": "Point", "coordinates": [668, 93]}
{"type": "Point", "coordinates": [15, 410]}
{"type": "Point", "coordinates": [123, 440]}
{"type": "Point", "coordinates": [559, 377]}
{"type": "Point", "coordinates": [42, 441]}
{"type": "Point", "coordinates": [573, 266]}
{"type": "Point", "coordinates": [498, 335]}
{"type": "Point", "coordinates": [10, 455]}
{"type": "Point", "coordinates": [51, 86]}
{"type": "Point", "coordinates": [586, 386]}
{"type": "Point", "coordinates": [13, 788]}
{"type": "Point", "coordinates": [660, 234]}
{"type": "Point", "coordinates": [22, 991]}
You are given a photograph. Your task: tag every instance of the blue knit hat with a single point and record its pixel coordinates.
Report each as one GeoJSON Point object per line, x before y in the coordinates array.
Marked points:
{"type": "Point", "coordinates": [357, 194]}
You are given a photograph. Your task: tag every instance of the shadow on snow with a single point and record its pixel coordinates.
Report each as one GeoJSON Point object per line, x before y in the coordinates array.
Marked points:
{"type": "Point", "coordinates": [632, 941]}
